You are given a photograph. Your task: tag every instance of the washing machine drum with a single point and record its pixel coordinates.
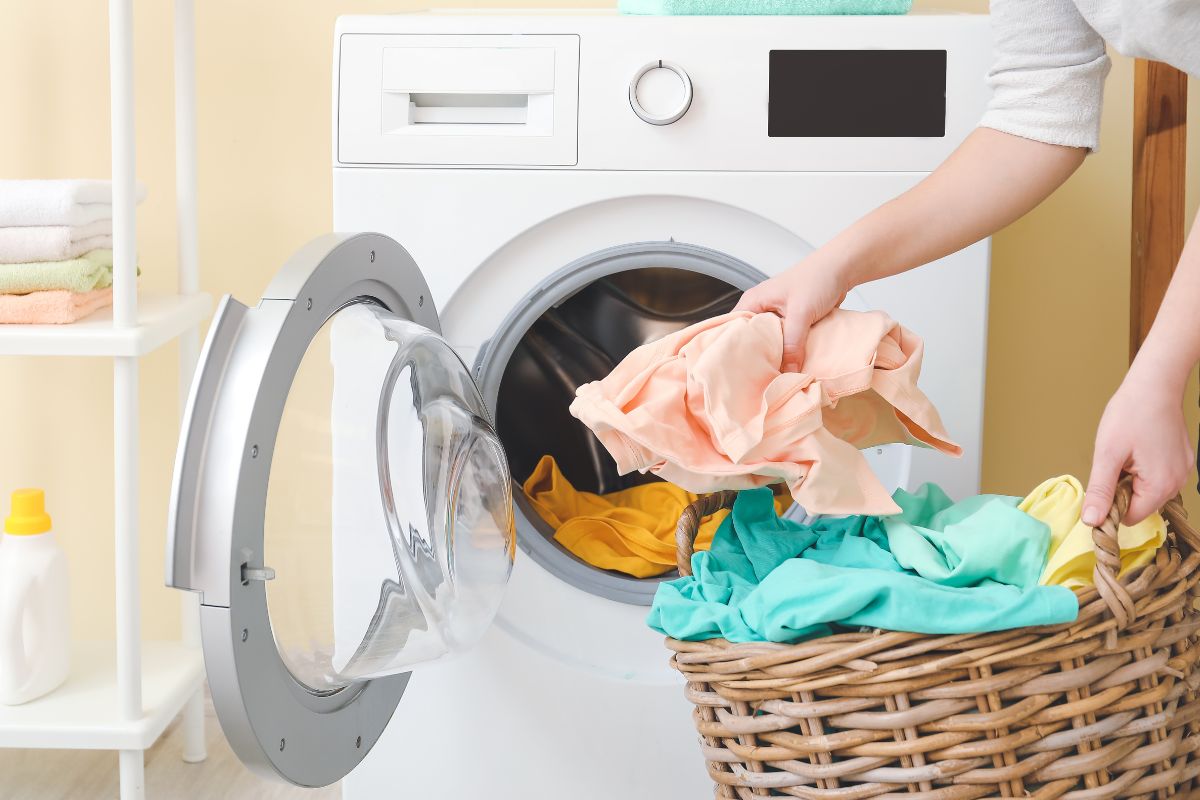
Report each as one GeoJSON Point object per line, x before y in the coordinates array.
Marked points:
{"type": "Point", "coordinates": [341, 502]}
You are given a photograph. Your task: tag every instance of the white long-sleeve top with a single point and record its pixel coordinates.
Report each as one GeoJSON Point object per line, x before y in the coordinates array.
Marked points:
{"type": "Point", "coordinates": [1048, 79]}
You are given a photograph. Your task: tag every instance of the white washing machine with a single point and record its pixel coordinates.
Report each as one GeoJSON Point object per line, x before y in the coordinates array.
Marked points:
{"type": "Point", "coordinates": [563, 187]}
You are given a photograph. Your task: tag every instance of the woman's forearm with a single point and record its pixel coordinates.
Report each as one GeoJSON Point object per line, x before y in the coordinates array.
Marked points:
{"type": "Point", "coordinates": [1143, 431]}
{"type": "Point", "coordinates": [992, 179]}
{"type": "Point", "coordinates": [1172, 348]}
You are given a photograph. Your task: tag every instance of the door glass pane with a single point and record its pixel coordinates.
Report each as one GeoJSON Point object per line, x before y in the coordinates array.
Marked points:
{"type": "Point", "coordinates": [389, 516]}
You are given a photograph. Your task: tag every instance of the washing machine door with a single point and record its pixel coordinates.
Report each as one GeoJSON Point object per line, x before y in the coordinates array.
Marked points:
{"type": "Point", "coordinates": [341, 503]}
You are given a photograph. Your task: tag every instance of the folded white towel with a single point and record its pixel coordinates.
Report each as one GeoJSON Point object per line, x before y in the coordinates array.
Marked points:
{"type": "Point", "coordinates": [22, 244]}
{"type": "Point", "coordinates": [60, 202]}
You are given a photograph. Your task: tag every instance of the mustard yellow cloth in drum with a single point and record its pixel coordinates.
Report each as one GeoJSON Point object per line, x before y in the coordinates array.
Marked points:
{"type": "Point", "coordinates": [630, 531]}
{"type": "Point", "coordinates": [1058, 503]}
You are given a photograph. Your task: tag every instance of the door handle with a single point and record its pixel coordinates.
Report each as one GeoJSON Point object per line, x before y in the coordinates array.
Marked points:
{"type": "Point", "coordinates": [250, 573]}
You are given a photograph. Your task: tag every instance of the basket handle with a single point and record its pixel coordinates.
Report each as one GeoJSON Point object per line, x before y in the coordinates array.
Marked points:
{"type": "Point", "coordinates": [689, 526]}
{"type": "Point", "coordinates": [1108, 549]}
{"type": "Point", "coordinates": [1108, 556]}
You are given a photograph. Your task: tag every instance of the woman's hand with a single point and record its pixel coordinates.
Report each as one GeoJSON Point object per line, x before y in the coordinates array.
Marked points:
{"type": "Point", "coordinates": [1143, 433]}
{"type": "Point", "coordinates": [801, 296]}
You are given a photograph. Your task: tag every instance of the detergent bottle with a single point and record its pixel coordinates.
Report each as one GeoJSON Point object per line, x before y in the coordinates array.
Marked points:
{"type": "Point", "coordinates": [34, 618]}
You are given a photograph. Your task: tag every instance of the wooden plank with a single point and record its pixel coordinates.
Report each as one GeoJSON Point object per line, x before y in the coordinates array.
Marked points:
{"type": "Point", "coordinates": [1159, 154]}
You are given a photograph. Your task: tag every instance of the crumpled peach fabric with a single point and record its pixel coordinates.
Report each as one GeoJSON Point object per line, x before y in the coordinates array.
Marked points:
{"type": "Point", "coordinates": [707, 408]}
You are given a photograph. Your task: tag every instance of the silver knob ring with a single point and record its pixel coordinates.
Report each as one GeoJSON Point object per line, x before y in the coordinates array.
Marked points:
{"type": "Point", "coordinates": [655, 119]}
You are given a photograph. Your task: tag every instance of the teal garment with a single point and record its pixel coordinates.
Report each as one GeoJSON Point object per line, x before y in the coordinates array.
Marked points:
{"type": "Point", "coordinates": [761, 7]}
{"type": "Point", "coordinates": [937, 567]}
{"type": "Point", "coordinates": [982, 538]}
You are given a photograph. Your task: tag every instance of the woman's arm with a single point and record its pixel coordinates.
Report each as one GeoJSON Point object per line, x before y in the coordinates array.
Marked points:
{"type": "Point", "coordinates": [1143, 430]}
{"type": "Point", "coordinates": [992, 179]}
{"type": "Point", "coordinates": [1047, 86]}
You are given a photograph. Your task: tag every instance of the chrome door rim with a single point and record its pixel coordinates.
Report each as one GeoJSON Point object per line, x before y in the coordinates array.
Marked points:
{"type": "Point", "coordinates": [277, 726]}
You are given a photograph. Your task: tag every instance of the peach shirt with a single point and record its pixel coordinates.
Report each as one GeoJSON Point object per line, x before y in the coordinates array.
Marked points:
{"type": "Point", "coordinates": [707, 408]}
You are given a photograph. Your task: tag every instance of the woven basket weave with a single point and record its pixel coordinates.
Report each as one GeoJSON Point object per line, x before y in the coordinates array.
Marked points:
{"type": "Point", "coordinates": [1106, 706]}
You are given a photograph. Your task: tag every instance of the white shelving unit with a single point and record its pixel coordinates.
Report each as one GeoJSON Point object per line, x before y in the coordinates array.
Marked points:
{"type": "Point", "coordinates": [161, 318]}
{"type": "Point", "coordinates": [83, 713]}
{"type": "Point", "coordinates": [121, 695]}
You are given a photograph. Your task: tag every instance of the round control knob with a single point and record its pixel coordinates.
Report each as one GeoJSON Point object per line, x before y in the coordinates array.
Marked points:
{"type": "Point", "coordinates": [660, 93]}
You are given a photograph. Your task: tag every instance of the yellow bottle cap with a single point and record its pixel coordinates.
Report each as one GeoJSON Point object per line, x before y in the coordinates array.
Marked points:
{"type": "Point", "coordinates": [28, 515]}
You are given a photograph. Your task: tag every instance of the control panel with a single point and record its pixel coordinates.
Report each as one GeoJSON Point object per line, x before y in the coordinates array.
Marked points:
{"type": "Point", "coordinates": [612, 92]}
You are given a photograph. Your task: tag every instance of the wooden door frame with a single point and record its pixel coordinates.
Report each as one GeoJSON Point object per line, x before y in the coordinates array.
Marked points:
{"type": "Point", "coordinates": [1159, 160]}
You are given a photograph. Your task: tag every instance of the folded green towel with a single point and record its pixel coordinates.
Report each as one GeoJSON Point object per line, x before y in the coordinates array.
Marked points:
{"type": "Point", "coordinates": [763, 7]}
{"type": "Point", "coordinates": [90, 271]}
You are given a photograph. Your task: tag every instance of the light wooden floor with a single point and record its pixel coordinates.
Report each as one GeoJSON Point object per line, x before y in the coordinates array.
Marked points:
{"type": "Point", "coordinates": [88, 775]}
{"type": "Point", "coordinates": [84, 775]}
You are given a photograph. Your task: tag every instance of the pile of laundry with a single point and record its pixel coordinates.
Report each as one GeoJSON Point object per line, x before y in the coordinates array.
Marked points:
{"type": "Point", "coordinates": [987, 563]}
{"type": "Point", "coordinates": [56, 260]}
{"type": "Point", "coordinates": [708, 408]}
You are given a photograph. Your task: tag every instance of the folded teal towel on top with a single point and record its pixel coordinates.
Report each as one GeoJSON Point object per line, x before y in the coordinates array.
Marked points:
{"type": "Point", "coordinates": [92, 270]}
{"type": "Point", "coordinates": [937, 567]}
{"type": "Point", "coordinates": [683, 8]}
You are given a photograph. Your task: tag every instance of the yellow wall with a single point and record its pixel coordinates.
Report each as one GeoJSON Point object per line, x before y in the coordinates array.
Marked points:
{"type": "Point", "coordinates": [1058, 318]}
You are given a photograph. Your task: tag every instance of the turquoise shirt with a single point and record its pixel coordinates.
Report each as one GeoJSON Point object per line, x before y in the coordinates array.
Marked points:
{"type": "Point", "coordinates": [938, 567]}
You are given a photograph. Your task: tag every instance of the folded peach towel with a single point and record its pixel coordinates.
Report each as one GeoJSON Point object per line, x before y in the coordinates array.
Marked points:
{"type": "Point", "coordinates": [708, 408]}
{"type": "Point", "coordinates": [54, 307]}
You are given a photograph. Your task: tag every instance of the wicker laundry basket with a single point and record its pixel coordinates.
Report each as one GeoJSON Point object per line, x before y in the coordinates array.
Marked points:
{"type": "Point", "coordinates": [1106, 706]}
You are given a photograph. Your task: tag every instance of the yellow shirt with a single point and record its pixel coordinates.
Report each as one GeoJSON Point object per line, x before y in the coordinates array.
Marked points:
{"type": "Point", "coordinates": [1058, 502]}
{"type": "Point", "coordinates": [630, 531]}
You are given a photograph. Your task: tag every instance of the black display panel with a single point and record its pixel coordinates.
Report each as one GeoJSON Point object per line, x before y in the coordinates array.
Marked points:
{"type": "Point", "coordinates": [888, 93]}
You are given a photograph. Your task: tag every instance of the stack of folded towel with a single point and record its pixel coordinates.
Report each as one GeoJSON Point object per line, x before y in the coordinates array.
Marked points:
{"type": "Point", "coordinates": [56, 260]}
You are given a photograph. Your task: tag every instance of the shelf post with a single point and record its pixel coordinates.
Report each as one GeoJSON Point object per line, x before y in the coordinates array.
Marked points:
{"type": "Point", "coordinates": [124, 170]}
{"type": "Point", "coordinates": [129, 611]}
{"type": "Point", "coordinates": [185, 146]}
{"type": "Point", "coordinates": [132, 772]}
{"type": "Point", "coordinates": [125, 475]}
{"type": "Point", "coordinates": [125, 388]}
{"type": "Point", "coordinates": [125, 370]}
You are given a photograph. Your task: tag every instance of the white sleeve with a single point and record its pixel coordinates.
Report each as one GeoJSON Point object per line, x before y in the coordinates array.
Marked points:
{"type": "Point", "coordinates": [1048, 79]}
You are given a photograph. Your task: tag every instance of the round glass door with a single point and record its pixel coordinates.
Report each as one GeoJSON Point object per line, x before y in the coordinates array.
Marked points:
{"type": "Point", "coordinates": [388, 525]}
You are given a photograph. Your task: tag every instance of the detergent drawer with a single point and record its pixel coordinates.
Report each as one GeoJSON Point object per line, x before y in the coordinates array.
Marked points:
{"type": "Point", "coordinates": [436, 99]}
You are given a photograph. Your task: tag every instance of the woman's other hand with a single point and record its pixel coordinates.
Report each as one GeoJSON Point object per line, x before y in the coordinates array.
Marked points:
{"type": "Point", "coordinates": [1142, 432]}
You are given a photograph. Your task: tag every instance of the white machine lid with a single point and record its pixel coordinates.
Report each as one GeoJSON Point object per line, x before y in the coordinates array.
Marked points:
{"type": "Point", "coordinates": [341, 502]}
